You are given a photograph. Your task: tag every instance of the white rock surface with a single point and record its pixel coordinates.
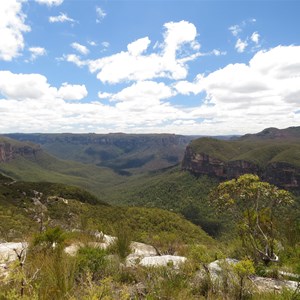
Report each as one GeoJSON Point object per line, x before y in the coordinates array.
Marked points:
{"type": "Point", "coordinates": [215, 267]}
{"type": "Point", "coordinates": [8, 251]}
{"type": "Point", "coordinates": [271, 284]}
{"type": "Point", "coordinates": [139, 251]}
{"type": "Point", "coordinates": [261, 283]}
{"type": "Point", "coordinates": [162, 261]}
{"type": "Point", "coordinates": [73, 248]}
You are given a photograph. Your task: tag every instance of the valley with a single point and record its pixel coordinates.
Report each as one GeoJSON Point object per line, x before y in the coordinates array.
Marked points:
{"type": "Point", "coordinates": [153, 189]}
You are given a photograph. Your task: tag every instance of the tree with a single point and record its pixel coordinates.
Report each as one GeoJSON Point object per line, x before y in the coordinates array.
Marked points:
{"type": "Point", "coordinates": [256, 205]}
{"type": "Point", "coordinates": [243, 269]}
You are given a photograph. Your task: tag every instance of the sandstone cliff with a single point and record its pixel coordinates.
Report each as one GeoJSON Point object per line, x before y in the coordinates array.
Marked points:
{"type": "Point", "coordinates": [272, 154]}
{"type": "Point", "coordinates": [280, 173]}
{"type": "Point", "coordinates": [9, 150]}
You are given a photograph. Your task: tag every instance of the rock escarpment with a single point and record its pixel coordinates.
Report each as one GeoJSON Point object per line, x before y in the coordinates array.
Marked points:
{"type": "Point", "coordinates": [205, 164]}
{"type": "Point", "coordinates": [10, 150]}
{"type": "Point", "coordinates": [275, 158]}
{"type": "Point", "coordinates": [278, 173]}
{"type": "Point", "coordinates": [125, 154]}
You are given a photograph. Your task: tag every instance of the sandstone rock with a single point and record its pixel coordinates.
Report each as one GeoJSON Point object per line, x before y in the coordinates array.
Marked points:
{"type": "Point", "coordinates": [73, 249]}
{"type": "Point", "coordinates": [263, 284]}
{"type": "Point", "coordinates": [139, 251]}
{"type": "Point", "coordinates": [8, 251]}
{"type": "Point", "coordinates": [163, 261]}
{"type": "Point", "coordinates": [270, 284]}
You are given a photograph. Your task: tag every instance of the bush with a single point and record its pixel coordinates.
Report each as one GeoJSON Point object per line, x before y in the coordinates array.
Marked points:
{"type": "Point", "coordinates": [92, 260]}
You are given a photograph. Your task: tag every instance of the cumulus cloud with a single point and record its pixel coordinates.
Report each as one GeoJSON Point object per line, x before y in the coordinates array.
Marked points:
{"type": "Point", "coordinates": [101, 14]}
{"type": "Point", "coordinates": [249, 96]}
{"type": "Point", "coordinates": [144, 91]}
{"type": "Point", "coordinates": [238, 98]}
{"type": "Point", "coordinates": [92, 43]}
{"type": "Point", "coordinates": [12, 27]}
{"type": "Point", "coordinates": [75, 59]}
{"type": "Point", "coordinates": [61, 18]}
{"type": "Point", "coordinates": [36, 52]}
{"type": "Point", "coordinates": [138, 47]}
{"type": "Point", "coordinates": [80, 48]}
{"type": "Point", "coordinates": [50, 2]}
{"type": "Point", "coordinates": [22, 87]}
{"type": "Point", "coordinates": [72, 92]}
{"type": "Point", "coordinates": [240, 45]}
{"type": "Point", "coordinates": [235, 30]}
{"type": "Point", "coordinates": [255, 37]}
{"type": "Point", "coordinates": [137, 65]}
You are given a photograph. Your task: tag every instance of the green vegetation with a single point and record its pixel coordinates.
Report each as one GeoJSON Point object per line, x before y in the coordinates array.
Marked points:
{"type": "Point", "coordinates": [23, 204]}
{"type": "Point", "coordinates": [126, 154]}
{"type": "Point", "coordinates": [167, 208]}
{"type": "Point", "coordinates": [259, 151]}
{"type": "Point", "coordinates": [256, 207]}
{"type": "Point", "coordinates": [173, 190]}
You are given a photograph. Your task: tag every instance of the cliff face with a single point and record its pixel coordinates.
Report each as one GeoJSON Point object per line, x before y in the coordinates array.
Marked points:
{"type": "Point", "coordinates": [123, 153]}
{"type": "Point", "coordinates": [9, 151]}
{"type": "Point", "coordinates": [120, 140]}
{"type": "Point", "coordinates": [280, 174]}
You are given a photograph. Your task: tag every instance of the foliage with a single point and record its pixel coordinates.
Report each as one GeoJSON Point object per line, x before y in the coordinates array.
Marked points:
{"type": "Point", "coordinates": [91, 260]}
{"type": "Point", "coordinates": [256, 206]}
{"type": "Point", "coordinates": [254, 149]}
{"type": "Point", "coordinates": [243, 269]}
{"type": "Point", "coordinates": [121, 245]}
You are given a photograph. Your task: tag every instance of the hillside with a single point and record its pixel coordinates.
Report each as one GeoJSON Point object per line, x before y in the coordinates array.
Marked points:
{"type": "Point", "coordinates": [126, 154]}
{"type": "Point", "coordinates": [27, 161]}
{"type": "Point", "coordinates": [273, 154]}
{"type": "Point", "coordinates": [24, 206]}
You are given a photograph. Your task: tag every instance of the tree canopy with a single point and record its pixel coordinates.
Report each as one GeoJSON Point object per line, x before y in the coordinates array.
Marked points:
{"type": "Point", "coordinates": [257, 207]}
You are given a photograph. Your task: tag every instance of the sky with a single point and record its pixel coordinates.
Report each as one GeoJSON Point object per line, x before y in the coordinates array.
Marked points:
{"type": "Point", "coordinates": [200, 67]}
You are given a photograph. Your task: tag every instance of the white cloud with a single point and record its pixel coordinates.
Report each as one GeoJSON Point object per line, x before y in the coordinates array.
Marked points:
{"type": "Point", "coordinates": [240, 45]}
{"type": "Point", "coordinates": [105, 44]}
{"type": "Point", "coordinates": [80, 48]}
{"type": "Point", "coordinates": [101, 14]}
{"type": "Point", "coordinates": [92, 43]}
{"type": "Point", "coordinates": [50, 2]}
{"type": "Point", "coordinates": [12, 27]}
{"type": "Point", "coordinates": [235, 30]}
{"type": "Point", "coordinates": [61, 18]}
{"type": "Point", "coordinates": [135, 65]}
{"type": "Point", "coordinates": [139, 46]}
{"type": "Point", "coordinates": [36, 52]}
{"type": "Point", "coordinates": [72, 92]}
{"type": "Point", "coordinates": [22, 87]}
{"type": "Point", "coordinates": [144, 91]}
{"type": "Point", "coordinates": [75, 59]}
{"type": "Point", "coordinates": [255, 37]}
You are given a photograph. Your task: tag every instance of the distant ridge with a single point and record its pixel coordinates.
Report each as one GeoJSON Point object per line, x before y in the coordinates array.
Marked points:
{"type": "Point", "coordinates": [273, 154]}
{"type": "Point", "coordinates": [126, 154]}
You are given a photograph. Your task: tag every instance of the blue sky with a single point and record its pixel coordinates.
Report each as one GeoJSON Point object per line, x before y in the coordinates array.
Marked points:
{"type": "Point", "coordinates": [187, 67]}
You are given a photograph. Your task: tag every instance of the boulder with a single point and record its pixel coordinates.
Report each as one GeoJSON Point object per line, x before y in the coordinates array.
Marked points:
{"type": "Point", "coordinates": [271, 284]}
{"type": "Point", "coordinates": [163, 261]}
{"type": "Point", "coordinates": [139, 251]}
{"type": "Point", "coordinates": [9, 251]}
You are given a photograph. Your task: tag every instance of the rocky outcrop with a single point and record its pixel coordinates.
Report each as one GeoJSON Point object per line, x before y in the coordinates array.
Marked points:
{"type": "Point", "coordinates": [121, 140]}
{"type": "Point", "coordinates": [280, 174]}
{"type": "Point", "coordinates": [9, 151]}
{"type": "Point", "coordinates": [163, 261]}
{"type": "Point", "coordinates": [262, 284]}
{"type": "Point", "coordinates": [283, 174]}
{"type": "Point", "coordinates": [204, 164]}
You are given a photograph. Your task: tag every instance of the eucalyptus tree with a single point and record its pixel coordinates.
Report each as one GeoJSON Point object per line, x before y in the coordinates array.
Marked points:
{"type": "Point", "coordinates": [257, 208]}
